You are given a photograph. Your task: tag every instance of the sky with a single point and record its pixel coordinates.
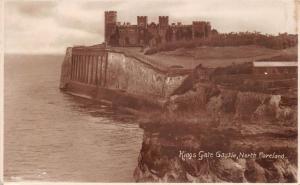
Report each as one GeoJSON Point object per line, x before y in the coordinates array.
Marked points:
{"type": "Point", "coordinates": [48, 27]}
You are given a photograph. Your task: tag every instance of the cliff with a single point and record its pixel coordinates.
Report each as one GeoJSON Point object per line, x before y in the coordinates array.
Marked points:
{"type": "Point", "coordinates": [212, 133]}
{"type": "Point", "coordinates": [186, 153]}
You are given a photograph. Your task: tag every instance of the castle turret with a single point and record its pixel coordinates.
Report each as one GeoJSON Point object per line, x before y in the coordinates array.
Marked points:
{"type": "Point", "coordinates": [201, 29]}
{"type": "Point", "coordinates": [142, 21]}
{"type": "Point", "coordinates": [208, 30]}
{"type": "Point", "coordinates": [163, 21]}
{"type": "Point", "coordinates": [110, 24]}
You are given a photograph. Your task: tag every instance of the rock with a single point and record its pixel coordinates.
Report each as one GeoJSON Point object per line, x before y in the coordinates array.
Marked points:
{"type": "Point", "coordinates": [286, 171]}
{"type": "Point", "coordinates": [230, 170]}
{"type": "Point", "coordinates": [287, 114]}
{"type": "Point", "coordinates": [229, 100]}
{"type": "Point", "coordinates": [194, 99]}
{"type": "Point", "coordinates": [203, 116]}
{"type": "Point", "coordinates": [214, 105]}
{"type": "Point", "coordinates": [247, 103]}
{"type": "Point", "coordinates": [271, 110]}
{"type": "Point", "coordinates": [254, 172]}
{"type": "Point", "coordinates": [159, 161]}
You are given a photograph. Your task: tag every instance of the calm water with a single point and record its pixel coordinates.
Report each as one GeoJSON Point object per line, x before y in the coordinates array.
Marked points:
{"type": "Point", "coordinates": [52, 136]}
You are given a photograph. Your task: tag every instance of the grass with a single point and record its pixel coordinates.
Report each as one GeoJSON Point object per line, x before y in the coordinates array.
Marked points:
{"type": "Point", "coordinates": [213, 57]}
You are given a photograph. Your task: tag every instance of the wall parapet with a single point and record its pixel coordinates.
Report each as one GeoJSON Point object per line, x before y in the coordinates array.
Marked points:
{"type": "Point", "coordinates": [102, 67]}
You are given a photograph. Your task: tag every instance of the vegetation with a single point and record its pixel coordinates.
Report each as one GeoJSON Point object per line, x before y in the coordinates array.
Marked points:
{"type": "Point", "coordinates": [281, 41]}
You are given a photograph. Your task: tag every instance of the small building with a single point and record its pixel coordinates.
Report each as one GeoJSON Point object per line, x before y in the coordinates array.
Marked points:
{"type": "Point", "coordinates": [275, 67]}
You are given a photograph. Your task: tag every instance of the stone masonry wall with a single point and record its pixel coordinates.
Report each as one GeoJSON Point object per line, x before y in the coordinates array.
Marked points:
{"type": "Point", "coordinates": [66, 69]}
{"type": "Point", "coordinates": [120, 73]}
{"type": "Point", "coordinates": [131, 75]}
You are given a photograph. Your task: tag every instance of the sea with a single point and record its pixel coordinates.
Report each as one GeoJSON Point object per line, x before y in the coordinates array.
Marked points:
{"type": "Point", "coordinates": [53, 136]}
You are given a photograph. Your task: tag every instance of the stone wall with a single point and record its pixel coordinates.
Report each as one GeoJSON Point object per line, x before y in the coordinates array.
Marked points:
{"type": "Point", "coordinates": [172, 83]}
{"type": "Point", "coordinates": [66, 69]}
{"type": "Point", "coordinates": [122, 73]}
{"type": "Point", "coordinates": [130, 75]}
{"type": "Point", "coordinates": [135, 77]}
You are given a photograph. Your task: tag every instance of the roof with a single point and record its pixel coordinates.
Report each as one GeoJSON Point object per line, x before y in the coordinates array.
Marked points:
{"type": "Point", "coordinates": [275, 64]}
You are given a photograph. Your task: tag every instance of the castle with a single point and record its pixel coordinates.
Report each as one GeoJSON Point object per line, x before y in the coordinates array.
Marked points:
{"type": "Point", "coordinates": [143, 33]}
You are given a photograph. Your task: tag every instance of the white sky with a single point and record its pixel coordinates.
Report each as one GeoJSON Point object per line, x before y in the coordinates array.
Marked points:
{"type": "Point", "coordinates": [51, 26]}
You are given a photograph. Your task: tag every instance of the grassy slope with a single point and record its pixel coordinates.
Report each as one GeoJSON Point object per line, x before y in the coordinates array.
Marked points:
{"type": "Point", "coordinates": [216, 56]}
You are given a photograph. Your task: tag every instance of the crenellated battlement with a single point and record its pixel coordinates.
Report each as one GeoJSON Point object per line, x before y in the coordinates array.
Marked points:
{"type": "Point", "coordinates": [110, 22]}
{"type": "Point", "coordinates": [111, 11]}
{"type": "Point", "coordinates": [110, 16]}
{"type": "Point", "coordinates": [200, 22]}
{"type": "Point", "coordinates": [142, 21]}
{"type": "Point", "coordinates": [163, 20]}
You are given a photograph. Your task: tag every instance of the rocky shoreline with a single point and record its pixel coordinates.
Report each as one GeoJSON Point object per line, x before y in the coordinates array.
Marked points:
{"type": "Point", "coordinates": [201, 151]}
{"type": "Point", "coordinates": [208, 133]}
{"type": "Point", "coordinates": [166, 158]}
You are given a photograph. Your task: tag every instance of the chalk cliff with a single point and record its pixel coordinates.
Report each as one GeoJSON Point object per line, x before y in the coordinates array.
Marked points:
{"type": "Point", "coordinates": [264, 156]}
{"type": "Point", "coordinates": [212, 133]}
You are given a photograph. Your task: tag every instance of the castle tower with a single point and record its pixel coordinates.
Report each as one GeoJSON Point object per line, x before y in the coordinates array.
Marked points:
{"type": "Point", "coordinates": [142, 21]}
{"type": "Point", "coordinates": [201, 29]}
{"type": "Point", "coordinates": [110, 24]}
{"type": "Point", "coordinates": [208, 29]}
{"type": "Point", "coordinates": [198, 29]}
{"type": "Point", "coordinates": [163, 22]}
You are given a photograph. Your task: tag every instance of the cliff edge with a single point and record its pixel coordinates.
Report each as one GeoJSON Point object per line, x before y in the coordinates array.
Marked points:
{"type": "Point", "coordinates": [240, 131]}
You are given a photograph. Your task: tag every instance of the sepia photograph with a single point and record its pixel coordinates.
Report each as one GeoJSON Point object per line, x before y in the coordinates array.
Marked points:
{"type": "Point", "coordinates": [159, 91]}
